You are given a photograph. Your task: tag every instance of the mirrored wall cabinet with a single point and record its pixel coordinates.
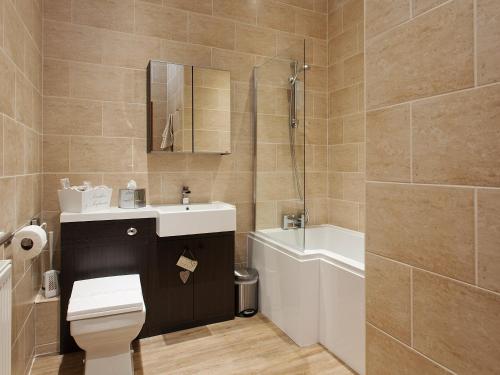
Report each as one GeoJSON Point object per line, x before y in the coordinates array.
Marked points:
{"type": "Point", "coordinates": [189, 109]}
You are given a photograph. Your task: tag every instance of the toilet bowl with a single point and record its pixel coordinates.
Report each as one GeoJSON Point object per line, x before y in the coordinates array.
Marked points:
{"type": "Point", "coordinates": [105, 315]}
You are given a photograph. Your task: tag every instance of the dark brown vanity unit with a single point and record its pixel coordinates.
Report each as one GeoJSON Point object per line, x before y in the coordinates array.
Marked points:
{"type": "Point", "coordinates": [91, 249]}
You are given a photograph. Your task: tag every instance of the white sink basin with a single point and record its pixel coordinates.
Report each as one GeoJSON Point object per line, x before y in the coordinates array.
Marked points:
{"type": "Point", "coordinates": [179, 220]}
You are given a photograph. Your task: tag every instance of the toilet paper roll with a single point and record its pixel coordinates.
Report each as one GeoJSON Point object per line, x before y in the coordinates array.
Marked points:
{"type": "Point", "coordinates": [29, 242]}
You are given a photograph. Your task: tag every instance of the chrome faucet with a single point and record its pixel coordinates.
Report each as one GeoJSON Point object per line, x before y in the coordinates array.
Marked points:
{"type": "Point", "coordinates": [185, 195]}
{"type": "Point", "coordinates": [292, 222]}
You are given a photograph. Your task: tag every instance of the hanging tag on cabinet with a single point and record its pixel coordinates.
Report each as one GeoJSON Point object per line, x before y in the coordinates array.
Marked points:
{"type": "Point", "coordinates": [187, 263]}
{"type": "Point", "coordinates": [184, 275]}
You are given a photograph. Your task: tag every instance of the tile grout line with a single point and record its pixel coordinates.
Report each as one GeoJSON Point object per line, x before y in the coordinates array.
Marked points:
{"type": "Point", "coordinates": [474, 22]}
{"type": "Point", "coordinates": [411, 349]}
{"type": "Point", "coordinates": [409, 20]}
{"type": "Point", "coordinates": [411, 142]}
{"type": "Point", "coordinates": [420, 269]}
{"type": "Point", "coordinates": [476, 240]}
{"type": "Point", "coordinates": [411, 307]}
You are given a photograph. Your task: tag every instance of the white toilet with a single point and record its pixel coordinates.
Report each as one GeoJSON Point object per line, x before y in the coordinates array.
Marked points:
{"type": "Point", "coordinates": [105, 315]}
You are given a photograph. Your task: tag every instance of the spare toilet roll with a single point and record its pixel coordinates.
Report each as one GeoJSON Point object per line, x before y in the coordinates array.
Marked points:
{"type": "Point", "coordinates": [29, 242]}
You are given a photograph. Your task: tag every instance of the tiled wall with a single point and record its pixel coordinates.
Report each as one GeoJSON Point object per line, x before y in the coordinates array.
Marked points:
{"type": "Point", "coordinates": [20, 138]}
{"type": "Point", "coordinates": [346, 122]}
{"type": "Point", "coordinates": [94, 112]}
{"type": "Point", "coordinates": [433, 179]}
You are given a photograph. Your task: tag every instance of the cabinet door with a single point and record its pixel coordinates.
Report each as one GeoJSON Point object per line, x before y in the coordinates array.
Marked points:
{"type": "Point", "coordinates": [214, 278]}
{"type": "Point", "coordinates": [172, 300]}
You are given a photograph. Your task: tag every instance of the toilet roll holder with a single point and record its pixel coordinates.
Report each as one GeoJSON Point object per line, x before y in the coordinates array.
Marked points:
{"type": "Point", "coordinates": [6, 238]}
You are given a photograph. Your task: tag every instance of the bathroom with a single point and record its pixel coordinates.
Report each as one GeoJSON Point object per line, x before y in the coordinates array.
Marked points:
{"type": "Point", "coordinates": [354, 150]}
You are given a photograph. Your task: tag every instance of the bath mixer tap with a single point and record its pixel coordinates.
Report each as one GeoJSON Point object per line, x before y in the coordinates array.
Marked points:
{"type": "Point", "coordinates": [292, 222]}
{"type": "Point", "coordinates": [185, 195]}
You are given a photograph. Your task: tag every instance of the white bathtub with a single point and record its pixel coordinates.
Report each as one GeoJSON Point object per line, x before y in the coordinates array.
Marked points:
{"type": "Point", "coordinates": [314, 293]}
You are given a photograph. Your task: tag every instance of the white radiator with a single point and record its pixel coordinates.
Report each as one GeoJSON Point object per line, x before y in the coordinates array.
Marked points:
{"type": "Point", "coordinates": [5, 316]}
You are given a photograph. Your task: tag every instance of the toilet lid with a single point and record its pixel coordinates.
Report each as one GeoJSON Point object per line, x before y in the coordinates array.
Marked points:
{"type": "Point", "coordinates": [105, 296]}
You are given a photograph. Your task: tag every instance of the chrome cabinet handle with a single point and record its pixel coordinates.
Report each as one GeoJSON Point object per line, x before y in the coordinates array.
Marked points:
{"type": "Point", "coordinates": [131, 231]}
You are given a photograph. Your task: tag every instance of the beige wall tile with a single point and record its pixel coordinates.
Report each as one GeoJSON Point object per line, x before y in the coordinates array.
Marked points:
{"type": "Point", "coordinates": [211, 32]}
{"type": "Point", "coordinates": [334, 23]}
{"type": "Point", "coordinates": [388, 304]}
{"type": "Point", "coordinates": [275, 15]}
{"type": "Point", "coordinates": [56, 153]}
{"type": "Point", "coordinates": [7, 203]}
{"type": "Point", "coordinates": [343, 213]}
{"type": "Point", "coordinates": [354, 128]}
{"type": "Point", "coordinates": [185, 53]}
{"type": "Point", "coordinates": [321, 6]}
{"type": "Point", "coordinates": [354, 187]}
{"type": "Point", "coordinates": [488, 37]}
{"type": "Point", "coordinates": [454, 324]}
{"type": "Point", "coordinates": [24, 101]}
{"type": "Point", "coordinates": [55, 77]}
{"type": "Point", "coordinates": [335, 131]}
{"type": "Point", "coordinates": [232, 187]}
{"type": "Point", "coordinates": [13, 134]}
{"type": "Point", "coordinates": [99, 82]}
{"type": "Point", "coordinates": [64, 116]}
{"type": "Point", "coordinates": [7, 85]}
{"type": "Point", "coordinates": [352, 13]}
{"type": "Point", "coordinates": [488, 238]}
{"type": "Point", "coordinates": [238, 10]}
{"type": "Point", "coordinates": [14, 35]}
{"type": "Point", "coordinates": [344, 101]}
{"type": "Point", "coordinates": [124, 120]}
{"type": "Point", "coordinates": [31, 152]}
{"type": "Point", "coordinates": [1, 145]}
{"type": "Point", "coordinates": [388, 144]}
{"type": "Point", "coordinates": [343, 46]}
{"type": "Point", "coordinates": [239, 64]}
{"type": "Point", "coordinates": [426, 226]}
{"type": "Point", "coordinates": [311, 24]}
{"type": "Point", "coordinates": [37, 111]}
{"type": "Point", "coordinates": [386, 356]}
{"type": "Point", "coordinates": [344, 158]}
{"type": "Point", "coordinates": [47, 322]}
{"type": "Point", "coordinates": [320, 52]}
{"type": "Point", "coordinates": [256, 40]}
{"type": "Point", "coordinates": [161, 22]}
{"type": "Point", "coordinates": [59, 10]}
{"type": "Point", "coordinates": [200, 6]}
{"type": "Point", "coordinates": [109, 14]}
{"type": "Point", "coordinates": [34, 64]}
{"type": "Point", "coordinates": [382, 15]}
{"type": "Point", "coordinates": [335, 185]}
{"type": "Point", "coordinates": [420, 6]}
{"type": "Point", "coordinates": [25, 208]}
{"type": "Point", "coordinates": [129, 51]}
{"type": "Point", "coordinates": [305, 4]}
{"type": "Point", "coordinates": [353, 69]}
{"type": "Point", "coordinates": [72, 42]}
{"type": "Point", "coordinates": [455, 138]}
{"type": "Point", "coordinates": [405, 55]}
{"type": "Point", "coordinates": [91, 154]}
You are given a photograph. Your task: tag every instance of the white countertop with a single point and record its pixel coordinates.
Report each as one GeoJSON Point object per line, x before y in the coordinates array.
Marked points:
{"type": "Point", "coordinates": [113, 213]}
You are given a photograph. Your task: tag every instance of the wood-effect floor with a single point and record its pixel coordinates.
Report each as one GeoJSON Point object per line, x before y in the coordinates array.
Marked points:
{"type": "Point", "coordinates": [242, 346]}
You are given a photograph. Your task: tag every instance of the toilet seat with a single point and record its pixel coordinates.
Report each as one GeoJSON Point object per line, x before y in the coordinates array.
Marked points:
{"type": "Point", "coordinates": [105, 296]}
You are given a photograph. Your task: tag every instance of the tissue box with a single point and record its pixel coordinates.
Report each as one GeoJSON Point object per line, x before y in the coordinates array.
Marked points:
{"type": "Point", "coordinates": [132, 198]}
{"type": "Point", "coordinates": [85, 201]}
